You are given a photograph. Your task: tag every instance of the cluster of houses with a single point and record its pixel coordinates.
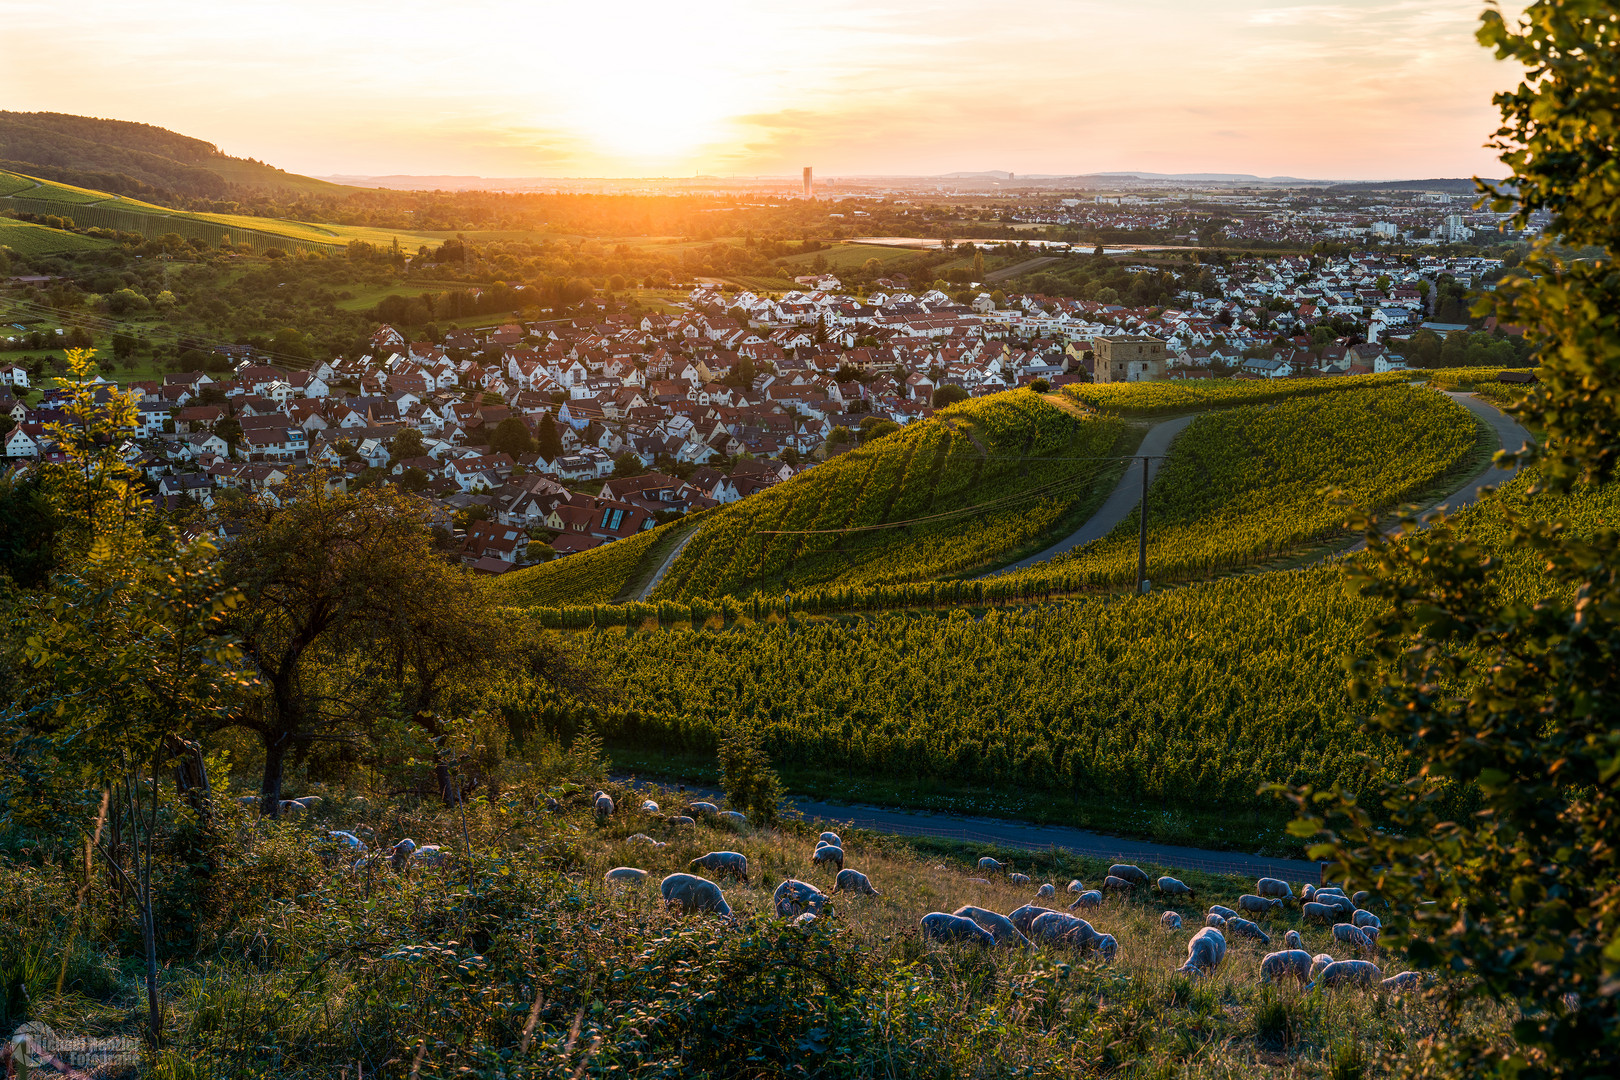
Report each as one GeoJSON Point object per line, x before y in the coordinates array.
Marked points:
{"type": "Point", "coordinates": [634, 417]}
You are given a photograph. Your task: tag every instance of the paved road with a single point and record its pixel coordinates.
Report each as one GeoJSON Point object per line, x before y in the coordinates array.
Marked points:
{"type": "Point", "coordinates": [1119, 504]}
{"type": "Point", "coordinates": [1030, 837]}
{"type": "Point", "coordinates": [669, 561]}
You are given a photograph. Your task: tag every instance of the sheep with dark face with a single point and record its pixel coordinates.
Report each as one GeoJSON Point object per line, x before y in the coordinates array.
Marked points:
{"type": "Point", "coordinates": [1347, 973]}
{"type": "Point", "coordinates": [602, 804]}
{"type": "Point", "coordinates": [399, 856]}
{"type": "Point", "coordinates": [1205, 952]}
{"type": "Point", "coordinates": [691, 893]}
{"type": "Point", "coordinates": [1274, 888]}
{"type": "Point", "coordinates": [1169, 886]}
{"type": "Point", "coordinates": [1025, 917]}
{"type": "Point", "coordinates": [996, 925]}
{"type": "Point", "coordinates": [627, 875]}
{"type": "Point", "coordinates": [1127, 872]}
{"type": "Point", "coordinates": [1089, 899]}
{"type": "Point", "coordinates": [1245, 928]}
{"type": "Point", "coordinates": [1170, 921]}
{"type": "Point", "coordinates": [732, 863]}
{"type": "Point", "coordinates": [953, 929]}
{"type": "Point", "coordinates": [793, 898]}
{"type": "Point", "coordinates": [856, 882]}
{"type": "Point", "coordinates": [1361, 898]}
{"type": "Point", "coordinates": [827, 855]}
{"type": "Point", "coordinates": [1289, 964]}
{"type": "Point", "coordinates": [1106, 946]}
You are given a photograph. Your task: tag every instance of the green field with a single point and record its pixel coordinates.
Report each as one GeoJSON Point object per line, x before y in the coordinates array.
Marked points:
{"type": "Point", "coordinates": [847, 257]}
{"type": "Point", "coordinates": [1163, 398]}
{"type": "Point", "coordinates": [26, 238]}
{"type": "Point", "coordinates": [604, 575]}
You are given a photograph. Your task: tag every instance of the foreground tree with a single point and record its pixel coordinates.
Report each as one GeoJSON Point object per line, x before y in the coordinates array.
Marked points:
{"type": "Point", "coordinates": [1498, 854]}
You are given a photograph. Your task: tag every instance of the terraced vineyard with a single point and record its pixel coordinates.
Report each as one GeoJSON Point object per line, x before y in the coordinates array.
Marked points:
{"type": "Point", "coordinates": [1158, 398]}
{"type": "Point", "coordinates": [28, 239]}
{"type": "Point", "coordinates": [980, 481]}
{"type": "Point", "coordinates": [1244, 485]}
{"type": "Point", "coordinates": [593, 577]}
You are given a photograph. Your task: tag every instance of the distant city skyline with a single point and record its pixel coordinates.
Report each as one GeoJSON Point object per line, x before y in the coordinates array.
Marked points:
{"type": "Point", "coordinates": [1353, 90]}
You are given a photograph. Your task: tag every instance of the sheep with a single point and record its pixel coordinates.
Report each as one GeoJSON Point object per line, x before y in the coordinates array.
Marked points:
{"type": "Point", "coordinates": [308, 802]}
{"type": "Point", "coordinates": [1257, 905]}
{"type": "Point", "coordinates": [400, 854]}
{"type": "Point", "coordinates": [1293, 940]}
{"type": "Point", "coordinates": [735, 819]}
{"type": "Point", "coordinates": [826, 853]}
{"type": "Point", "coordinates": [347, 839]}
{"type": "Point", "coordinates": [1088, 899]}
{"type": "Point", "coordinates": [830, 838]}
{"type": "Point", "coordinates": [941, 926]}
{"type": "Point", "coordinates": [429, 855]}
{"type": "Point", "coordinates": [991, 866]}
{"type": "Point", "coordinates": [1347, 973]}
{"type": "Point", "coordinates": [249, 801]}
{"type": "Point", "coordinates": [854, 881]}
{"type": "Point", "coordinates": [1170, 921]}
{"type": "Point", "coordinates": [1360, 898]}
{"type": "Point", "coordinates": [1169, 886]}
{"type": "Point", "coordinates": [1291, 963]}
{"type": "Point", "coordinates": [1116, 884]}
{"type": "Point", "coordinates": [1126, 871]}
{"type": "Point", "coordinates": [1217, 921]}
{"type": "Point", "coordinates": [643, 838]}
{"type": "Point", "coordinates": [625, 873]}
{"type": "Point", "coordinates": [1025, 917]}
{"type": "Point", "coordinates": [1366, 918]}
{"type": "Point", "coordinates": [1308, 892]}
{"type": "Point", "coordinates": [705, 808]}
{"type": "Point", "coordinates": [1353, 936]}
{"type": "Point", "coordinates": [1106, 946]}
{"type": "Point", "coordinates": [805, 921]}
{"type": "Point", "coordinates": [1057, 928]}
{"type": "Point", "coordinates": [1318, 963]}
{"type": "Point", "coordinates": [1046, 892]}
{"type": "Point", "coordinates": [1399, 984]}
{"type": "Point", "coordinates": [1076, 887]}
{"type": "Point", "coordinates": [997, 926]}
{"type": "Point", "coordinates": [978, 881]}
{"type": "Point", "coordinates": [1205, 952]}
{"type": "Point", "coordinates": [1275, 888]}
{"type": "Point", "coordinates": [1313, 912]}
{"type": "Point", "coordinates": [1018, 879]}
{"type": "Point", "coordinates": [681, 819]}
{"type": "Point", "coordinates": [1223, 912]}
{"type": "Point", "coordinates": [290, 809]}
{"type": "Point", "coordinates": [793, 898]}
{"type": "Point", "coordinates": [1337, 901]}
{"type": "Point", "coordinates": [1248, 929]}
{"type": "Point", "coordinates": [603, 805]}
{"type": "Point", "coordinates": [649, 807]}
{"type": "Point", "coordinates": [692, 893]}
{"type": "Point", "coordinates": [723, 862]}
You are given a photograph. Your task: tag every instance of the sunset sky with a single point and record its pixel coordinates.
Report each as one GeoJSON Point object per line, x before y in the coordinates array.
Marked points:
{"type": "Point", "coordinates": [1350, 90]}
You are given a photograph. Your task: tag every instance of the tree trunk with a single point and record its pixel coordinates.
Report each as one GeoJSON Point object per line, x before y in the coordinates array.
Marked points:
{"type": "Point", "coordinates": [275, 755]}
{"type": "Point", "coordinates": [191, 778]}
{"type": "Point", "coordinates": [448, 791]}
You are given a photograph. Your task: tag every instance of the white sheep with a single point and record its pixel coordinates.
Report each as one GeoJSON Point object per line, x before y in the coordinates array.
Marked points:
{"type": "Point", "coordinates": [830, 838]}
{"type": "Point", "coordinates": [1293, 940]}
{"type": "Point", "coordinates": [249, 801]}
{"type": "Point", "coordinates": [1205, 952]}
{"type": "Point", "coordinates": [643, 838]}
{"type": "Point", "coordinates": [1076, 887]}
{"type": "Point", "coordinates": [996, 925]}
{"type": "Point", "coordinates": [1354, 936]}
{"type": "Point", "coordinates": [1106, 946]}
{"type": "Point", "coordinates": [1132, 874]}
{"type": "Point", "coordinates": [1258, 905]}
{"type": "Point", "coordinates": [705, 808]}
{"type": "Point", "coordinates": [1313, 912]}
{"type": "Point", "coordinates": [681, 819]}
{"type": "Point", "coordinates": [1025, 917]}
{"type": "Point", "coordinates": [1248, 929]}
{"type": "Point", "coordinates": [830, 855]}
{"type": "Point", "coordinates": [1169, 886]}
{"type": "Point", "coordinates": [1291, 963]}
{"type": "Point", "coordinates": [1116, 884]}
{"type": "Point", "coordinates": [1058, 928]}
{"type": "Point", "coordinates": [854, 881]}
{"type": "Point", "coordinates": [1170, 921]}
{"type": "Point", "coordinates": [399, 856]}
{"type": "Point", "coordinates": [1360, 900]}
{"type": "Point", "coordinates": [603, 805]}
{"type": "Point", "coordinates": [649, 807]}
{"type": "Point", "coordinates": [308, 802]}
{"type": "Point", "coordinates": [627, 874]}
{"type": "Point", "coordinates": [1307, 892]}
{"type": "Point", "coordinates": [942, 926]}
{"type": "Point", "coordinates": [735, 819]}
{"type": "Point", "coordinates": [1347, 973]}
{"type": "Point", "coordinates": [1215, 920]}
{"type": "Point", "coordinates": [717, 863]}
{"type": "Point", "coordinates": [990, 866]}
{"type": "Point", "coordinates": [1223, 912]}
{"type": "Point", "coordinates": [1275, 888]}
{"type": "Point", "coordinates": [1018, 879]}
{"type": "Point", "coordinates": [1400, 984]}
{"type": "Point", "coordinates": [691, 893]}
{"type": "Point", "coordinates": [1089, 899]}
{"type": "Point", "coordinates": [1319, 963]}
{"type": "Point", "coordinates": [1046, 891]}
{"type": "Point", "coordinates": [1366, 918]}
{"type": "Point", "coordinates": [793, 898]}
{"type": "Point", "coordinates": [350, 841]}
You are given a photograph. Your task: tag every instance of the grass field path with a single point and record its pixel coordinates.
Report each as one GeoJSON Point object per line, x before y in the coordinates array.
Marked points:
{"type": "Point", "coordinates": [669, 560]}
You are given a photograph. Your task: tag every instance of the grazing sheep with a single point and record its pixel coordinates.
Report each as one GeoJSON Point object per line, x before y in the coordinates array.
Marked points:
{"type": "Point", "coordinates": [625, 873]}
{"type": "Point", "coordinates": [1058, 928]}
{"type": "Point", "coordinates": [649, 807]}
{"type": "Point", "coordinates": [1258, 905]}
{"type": "Point", "coordinates": [1353, 936]}
{"type": "Point", "coordinates": [1361, 898]}
{"type": "Point", "coordinates": [1248, 929]}
{"type": "Point", "coordinates": [1293, 940]}
{"type": "Point", "coordinates": [830, 838]}
{"type": "Point", "coordinates": [691, 893]}
{"type": "Point", "coordinates": [1400, 984]}
{"type": "Point", "coordinates": [990, 866]}
{"type": "Point", "coordinates": [249, 801]}
{"type": "Point", "coordinates": [854, 881]}
{"type": "Point", "coordinates": [941, 926]}
{"type": "Point", "coordinates": [826, 853]}
{"type": "Point", "coordinates": [643, 838]}
{"type": "Point", "coordinates": [1223, 912]}
{"type": "Point", "coordinates": [400, 854]}
{"type": "Point", "coordinates": [805, 921]}
{"type": "Point", "coordinates": [1366, 918]}
{"type": "Point", "coordinates": [1076, 887]}
{"type": "Point", "coordinates": [793, 898]}
{"type": "Point", "coordinates": [1338, 902]}
{"type": "Point", "coordinates": [1215, 920]}
{"type": "Point", "coordinates": [723, 862]}
{"type": "Point", "coordinates": [1169, 886]}
{"type": "Point", "coordinates": [1289, 964]}
{"type": "Point", "coordinates": [347, 839]}
{"type": "Point", "coordinates": [1126, 871]}
{"type": "Point", "coordinates": [1347, 973]}
{"type": "Point", "coordinates": [1116, 884]}
{"type": "Point", "coordinates": [738, 820]}
{"type": "Point", "coordinates": [1276, 888]}
{"type": "Point", "coordinates": [1170, 921]}
{"type": "Point", "coordinates": [1106, 946]}
{"type": "Point", "coordinates": [705, 808]}
{"type": "Point", "coordinates": [1319, 962]}
{"type": "Point", "coordinates": [1088, 899]}
{"type": "Point", "coordinates": [603, 805]}
{"type": "Point", "coordinates": [429, 855]}
{"type": "Point", "coordinates": [308, 802]}
{"type": "Point", "coordinates": [1046, 892]}
{"type": "Point", "coordinates": [1308, 892]}
{"type": "Point", "coordinates": [997, 926]}
{"type": "Point", "coordinates": [1205, 952]}
{"type": "Point", "coordinates": [1018, 879]}
{"type": "Point", "coordinates": [681, 819]}
{"type": "Point", "coordinates": [1025, 917]}
{"type": "Point", "coordinates": [1313, 912]}
{"type": "Point", "coordinates": [290, 808]}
